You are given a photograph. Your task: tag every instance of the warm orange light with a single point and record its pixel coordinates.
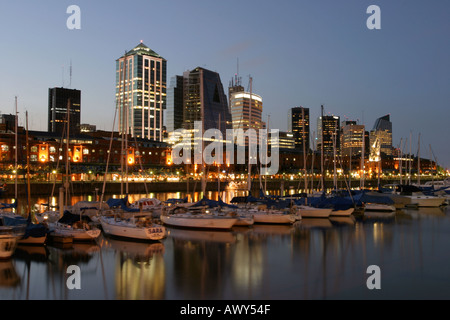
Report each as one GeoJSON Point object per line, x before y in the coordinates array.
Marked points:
{"type": "Point", "coordinates": [43, 152]}
{"type": "Point", "coordinates": [77, 154]}
{"type": "Point", "coordinates": [130, 156]}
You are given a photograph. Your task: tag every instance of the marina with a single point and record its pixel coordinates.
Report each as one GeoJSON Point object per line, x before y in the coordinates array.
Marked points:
{"type": "Point", "coordinates": [312, 258]}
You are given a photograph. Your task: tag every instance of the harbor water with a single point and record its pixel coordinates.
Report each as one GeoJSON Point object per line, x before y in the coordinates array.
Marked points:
{"type": "Point", "coordinates": [314, 259]}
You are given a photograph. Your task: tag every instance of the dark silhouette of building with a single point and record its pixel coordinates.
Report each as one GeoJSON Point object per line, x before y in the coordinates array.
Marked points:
{"type": "Point", "coordinates": [63, 102]}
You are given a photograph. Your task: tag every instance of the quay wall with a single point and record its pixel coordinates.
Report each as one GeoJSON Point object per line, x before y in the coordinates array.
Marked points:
{"type": "Point", "coordinates": [91, 187]}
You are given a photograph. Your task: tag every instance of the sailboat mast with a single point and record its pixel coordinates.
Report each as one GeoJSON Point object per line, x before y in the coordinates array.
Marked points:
{"type": "Point", "coordinates": [28, 168]}
{"type": "Point", "coordinates": [321, 152]}
{"type": "Point", "coordinates": [304, 149]}
{"type": "Point", "coordinates": [15, 150]}
{"type": "Point", "coordinates": [418, 161]}
{"type": "Point", "coordinates": [249, 178]}
{"type": "Point", "coordinates": [66, 184]}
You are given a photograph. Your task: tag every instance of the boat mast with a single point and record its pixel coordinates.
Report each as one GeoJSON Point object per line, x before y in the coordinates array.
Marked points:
{"type": "Point", "coordinates": [321, 153]}
{"type": "Point", "coordinates": [28, 168]}
{"type": "Point", "coordinates": [418, 162]}
{"type": "Point", "coordinates": [66, 184]}
{"type": "Point", "coordinates": [15, 151]}
{"type": "Point", "coordinates": [304, 149]}
{"type": "Point", "coordinates": [249, 170]}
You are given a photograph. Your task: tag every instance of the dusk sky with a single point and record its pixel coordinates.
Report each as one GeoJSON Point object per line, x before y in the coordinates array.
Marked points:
{"type": "Point", "coordinates": [299, 53]}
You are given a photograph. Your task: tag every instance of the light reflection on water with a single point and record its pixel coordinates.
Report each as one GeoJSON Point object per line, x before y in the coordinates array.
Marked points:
{"type": "Point", "coordinates": [313, 259]}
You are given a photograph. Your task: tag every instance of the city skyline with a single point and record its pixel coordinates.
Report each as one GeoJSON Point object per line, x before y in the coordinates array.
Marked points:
{"type": "Point", "coordinates": [311, 54]}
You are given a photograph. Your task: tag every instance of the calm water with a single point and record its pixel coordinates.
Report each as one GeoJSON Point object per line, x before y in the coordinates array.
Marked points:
{"type": "Point", "coordinates": [313, 259]}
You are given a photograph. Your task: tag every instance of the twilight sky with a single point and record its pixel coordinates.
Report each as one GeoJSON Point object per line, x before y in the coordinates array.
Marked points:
{"type": "Point", "coordinates": [299, 53]}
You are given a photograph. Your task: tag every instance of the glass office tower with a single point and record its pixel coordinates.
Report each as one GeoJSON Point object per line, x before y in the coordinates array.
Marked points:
{"type": "Point", "coordinates": [204, 99]}
{"type": "Point", "coordinates": [298, 125]}
{"type": "Point", "coordinates": [382, 130]}
{"type": "Point", "coordinates": [141, 92]}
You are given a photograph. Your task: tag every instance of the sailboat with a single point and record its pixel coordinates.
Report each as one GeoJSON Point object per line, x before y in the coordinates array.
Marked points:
{"type": "Point", "coordinates": [70, 225]}
{"type": "Point", "coordinates": [138, 227]}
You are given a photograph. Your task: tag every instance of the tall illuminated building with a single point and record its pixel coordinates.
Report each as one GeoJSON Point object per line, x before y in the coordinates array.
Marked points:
{"type": "Point", "coordinates": [382, 130]}
{"type": "Point", "coordinates": [352, 138]}
{"type": "Point", "coordinates": [141, 92]}
{"type": "Point", "coordinates": [246, 113]}
{"type": "Point", "coordinates": [58, 101]}
{"type": "Point", "coordinates": [298, 125]}
{"type": "Point", "coordinates": [329, 136]}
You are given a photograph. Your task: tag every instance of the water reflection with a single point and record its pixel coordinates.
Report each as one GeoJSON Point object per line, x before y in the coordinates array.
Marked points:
{"type": "Point", "coordinates": [139, 269]}
{"type": "Point", "coordinates": [312, 259]}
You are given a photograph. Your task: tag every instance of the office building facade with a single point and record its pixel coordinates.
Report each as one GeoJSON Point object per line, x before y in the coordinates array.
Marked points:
{"type": "Point", "coordinates": [352, 138]}
{"type": "Point", "coordinates": [141, 93]}
{"type": "Point", "coordinates": [298, 125]}
{"type": "Point", "coordinates": [174, 110]}
{"type": "Point", "coordinates": [382, 133]}
{"type": "Point", "coordinates": [204, 100]}
{"type": "Point", "coordinates": [64, 103]}
{"type": "Point", "coordinates": [328, 134]}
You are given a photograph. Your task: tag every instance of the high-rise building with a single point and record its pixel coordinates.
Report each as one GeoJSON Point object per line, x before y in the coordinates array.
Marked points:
{"type": "Point", "coordinates": [204, 100]}
{"type": "Point", "coordinates": [382, 131]}
{"type": "Point", "coordinates": [246, 113]}
{"type": "Point", "coordinates": [174, 111]}
{"type": "Point", "coordinates": [298, 125]}
{"type": "Point", "coordinates": [141, 92]}
{"type": "Point", "coordinates": [60, 102]}
{"type": "Point", "coordinates": [329, 135]}
{"type": "Point", "coordinates": [352, 138]}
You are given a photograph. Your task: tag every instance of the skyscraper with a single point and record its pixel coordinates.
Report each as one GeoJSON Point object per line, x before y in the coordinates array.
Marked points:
{"type": "Point", "coordinates": [382, 131]}
{"type": "Point", "coordinates": [298, 125]}
{"type": "Point", "coordinates": [330, 135]}
{"type": "Point", "coordinates": [246, 113]}
{"type": "Point", "coordinates": [141, 92]}
{"type": "Point", "coordinates": [58, 100]}
{"type": "Point", "coordinates": [174, 111]}
{"type": "Point", "coordinates": [204, 99]}
{"type": "Point", "coordinates": [352, 138]}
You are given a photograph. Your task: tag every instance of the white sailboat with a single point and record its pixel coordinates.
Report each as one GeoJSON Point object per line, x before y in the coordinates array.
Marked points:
{"type": "Point", "coordinates": [78, 230]}
{"type": "Point", "coordinates": [198, 220]}
{"type": "Point", "coordinates": [137, 227]}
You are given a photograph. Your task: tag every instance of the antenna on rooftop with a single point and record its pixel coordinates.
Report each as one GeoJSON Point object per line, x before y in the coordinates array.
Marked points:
{"type": "Point", "coordinates": [70, 81]}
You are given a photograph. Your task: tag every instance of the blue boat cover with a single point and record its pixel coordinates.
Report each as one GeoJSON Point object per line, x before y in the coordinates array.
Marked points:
{"type": "Point", "coordinates": [121, 203]}
{"type": "Point", "coordinates": [31, 230]}
{"type": "Point", "coordinates": [9, 205]}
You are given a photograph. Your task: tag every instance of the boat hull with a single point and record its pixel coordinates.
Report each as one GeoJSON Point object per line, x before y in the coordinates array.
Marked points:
{"type": "Point", "coordinates": [378, 207]}
{"type": "Point", "coordinates": [132, 232]}
{"type": "Point", "coordinates": [75, 234]}
{"type": "Point", "coordinates": [274, 218]}
{"type": "Point", "coordinates": [310, 212]}
{"type": "Point", "coordinates": [8, 244]}
{"type": "Point", "coordinates": [198, 221]}
{"type": "Point", "coordinates": [425, 201]}
{"type": "Point", "coordinates": [342, 213]}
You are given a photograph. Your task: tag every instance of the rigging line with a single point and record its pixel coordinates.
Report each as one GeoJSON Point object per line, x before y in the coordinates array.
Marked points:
{"type": "Point", "coordinates": [108, 158]}
{"type": "Point", "coordinates": [140, 163]}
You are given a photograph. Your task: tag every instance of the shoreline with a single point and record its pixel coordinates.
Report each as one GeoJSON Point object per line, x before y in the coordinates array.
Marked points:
{"type": "Point", "coordinates": [90, 187]}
